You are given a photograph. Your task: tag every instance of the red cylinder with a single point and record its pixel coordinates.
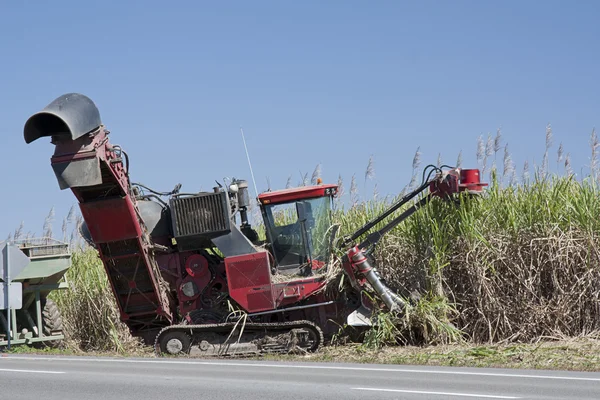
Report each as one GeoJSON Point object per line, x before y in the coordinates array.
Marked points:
{"type": "Point", "coordinates": [469, 177]}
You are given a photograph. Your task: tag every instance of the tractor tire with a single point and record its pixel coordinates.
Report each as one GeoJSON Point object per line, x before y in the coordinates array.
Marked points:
{"type": "Point", "coordinates": [51, 323]}
{"type": "Point", "coordinates": [51, 318]}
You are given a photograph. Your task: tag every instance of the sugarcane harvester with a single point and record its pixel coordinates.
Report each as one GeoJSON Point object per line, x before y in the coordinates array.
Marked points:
{"type": "Point", "coordinates": [187, 278]}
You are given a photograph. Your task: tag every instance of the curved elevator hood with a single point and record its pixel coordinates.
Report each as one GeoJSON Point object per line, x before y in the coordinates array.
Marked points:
{"type": "Point", "coordinates": [69, 116]}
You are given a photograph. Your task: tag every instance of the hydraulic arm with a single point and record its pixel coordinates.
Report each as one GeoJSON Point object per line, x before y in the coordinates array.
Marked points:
{"type": "Point", "coordinates": [443, 184]}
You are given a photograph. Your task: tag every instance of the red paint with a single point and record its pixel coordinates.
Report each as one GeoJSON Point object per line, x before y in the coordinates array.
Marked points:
{"type": "Point", "coordinates": [249, 281]}
{"type": "Point", "coordinates": [111, 220]}
{"type": "Point", "coordinates": [286, 195]}
{"type": "Point", "coordinates": [445, 187]}
{"type": "Point", "coordinates": [469, 176]}
{"type": "Point", "coordinates": [196, 265]}
{"type": "Point", "coordinates": [349, 267]}
{"type": "Point", "coordinates": [74, 157]}
{"type": "Point", "coordinates": [470, 180]}
{"type": "Point", "coordinates": [355, 251]}
{"type": "Point", "coordinates": [125, 288]}
{"type": "Point", "coordinates": [288, 293]}
{"type": "Point", "coordinates": [316, 264]}
{"type": "Point", "coordinates": [198, 273]}
{"type": "Point", "coordinates": [457, 180]}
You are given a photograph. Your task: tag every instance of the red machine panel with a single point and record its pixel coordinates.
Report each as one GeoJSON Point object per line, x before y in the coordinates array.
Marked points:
{"type": "Point", "coordinates": [307, 192]}
{"type": "Point", "coordinates": [249, 281]}
{"type": "Point", "coordinates": [102, 216]}
{"type": "Point", "coordinates": [288, 293]}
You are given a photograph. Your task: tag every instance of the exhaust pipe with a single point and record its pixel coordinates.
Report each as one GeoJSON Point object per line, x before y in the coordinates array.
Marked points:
{"type": "Point", "coordinates": [73, 123]}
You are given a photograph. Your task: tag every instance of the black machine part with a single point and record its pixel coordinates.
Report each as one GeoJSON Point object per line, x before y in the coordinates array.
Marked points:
{"type": "Point", "coordinates": [204, 217]}
{"type": "Point", "coordinates": [196, 220]}
{"type": "Point", "coordinates": [373, 238]}
{"type": "Point", "coordinates": [71, 116]}
{"type": "Point", "coordinates": [205, 214]}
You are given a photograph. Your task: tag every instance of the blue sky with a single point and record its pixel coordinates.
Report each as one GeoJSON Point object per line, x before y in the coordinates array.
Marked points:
{"type": "Point", "coordinates": [310, 82]}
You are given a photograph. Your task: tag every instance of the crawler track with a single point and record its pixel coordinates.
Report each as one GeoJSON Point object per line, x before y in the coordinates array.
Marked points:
{"type": "Point", "coordinates": [238, 339]}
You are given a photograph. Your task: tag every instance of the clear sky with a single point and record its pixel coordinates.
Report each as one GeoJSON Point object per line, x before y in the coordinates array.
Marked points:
{"type": "Point", "coordinates": [310, 82]}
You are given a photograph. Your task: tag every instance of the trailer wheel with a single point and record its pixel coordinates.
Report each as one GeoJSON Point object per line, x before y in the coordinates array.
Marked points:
{"type": "Point", "coordinates": [51, 318]}
{"type": "Point", "coordinates": [51, 323]}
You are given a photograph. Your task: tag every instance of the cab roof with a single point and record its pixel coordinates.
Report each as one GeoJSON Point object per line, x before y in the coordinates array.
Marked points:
{"type": "Point", "coordinates": [293, 194]}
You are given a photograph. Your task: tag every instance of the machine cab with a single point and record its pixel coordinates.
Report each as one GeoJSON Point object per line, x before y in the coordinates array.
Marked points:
{"type": "Point", "coordinates": [298, 227]}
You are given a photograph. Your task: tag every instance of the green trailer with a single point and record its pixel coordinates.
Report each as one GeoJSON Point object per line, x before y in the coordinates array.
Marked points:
{"type": "Point", "coordinates": [38, 320]}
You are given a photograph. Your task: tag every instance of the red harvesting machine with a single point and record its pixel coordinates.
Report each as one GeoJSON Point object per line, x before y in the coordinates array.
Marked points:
{"type": "Point", "coordinates": [188, 279]}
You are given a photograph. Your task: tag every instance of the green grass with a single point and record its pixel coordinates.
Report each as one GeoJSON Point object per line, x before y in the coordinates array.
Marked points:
{"type": "Point", "coordinates": [89, 310]}
{"type": "Point", "coordinates": [573, 354]}
{"type": "Point", "coordinates": [578, 354]}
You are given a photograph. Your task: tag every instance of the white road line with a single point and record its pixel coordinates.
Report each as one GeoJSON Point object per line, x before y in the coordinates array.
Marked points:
{"type": "Point", "coordinates": [489, 396]}
{"type": "Point", "coordinates": [30, 370]}
{"type": "Point", "coordinates": [308, 366]}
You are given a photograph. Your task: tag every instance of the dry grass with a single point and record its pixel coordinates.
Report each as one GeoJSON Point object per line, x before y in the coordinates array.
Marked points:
{"type": "Point", "coordinates": [574, 354]}
{"type": "Point", "coordinates": [529, 287]}
{"type": "Point", "coordinates": [570, 354]}
{"type": "Point", "coordinates": [89, 310]}
{"type": "Point", "coordinates": [517, 265]}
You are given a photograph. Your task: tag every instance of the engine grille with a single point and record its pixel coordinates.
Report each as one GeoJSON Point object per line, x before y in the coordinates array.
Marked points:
{"type": "Point", "coordinates": [200, 215]}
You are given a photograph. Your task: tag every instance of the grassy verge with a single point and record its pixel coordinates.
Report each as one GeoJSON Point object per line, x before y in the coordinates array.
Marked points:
{"type": "Point", "coordinates": [573, 354]}
{"type": "Point", "coordinates": [577, 354]}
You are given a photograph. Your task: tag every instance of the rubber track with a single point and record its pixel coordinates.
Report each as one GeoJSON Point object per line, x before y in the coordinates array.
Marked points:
{"type": "Point", "coordinates": [249, 326]}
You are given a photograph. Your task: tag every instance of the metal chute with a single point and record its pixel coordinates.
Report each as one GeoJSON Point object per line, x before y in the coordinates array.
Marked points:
{"type": "Point", "coordinates": [69, 116]}
{"type": "Point", "coordinates": [70, 120]}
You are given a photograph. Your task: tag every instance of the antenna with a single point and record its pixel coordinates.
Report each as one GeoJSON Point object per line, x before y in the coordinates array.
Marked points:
{"type": "Point", "coordinates": [249, 163]}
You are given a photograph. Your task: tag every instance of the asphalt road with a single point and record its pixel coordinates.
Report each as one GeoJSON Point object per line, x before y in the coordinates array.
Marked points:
{"type": "Point", "coordinates": [85, 378]}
